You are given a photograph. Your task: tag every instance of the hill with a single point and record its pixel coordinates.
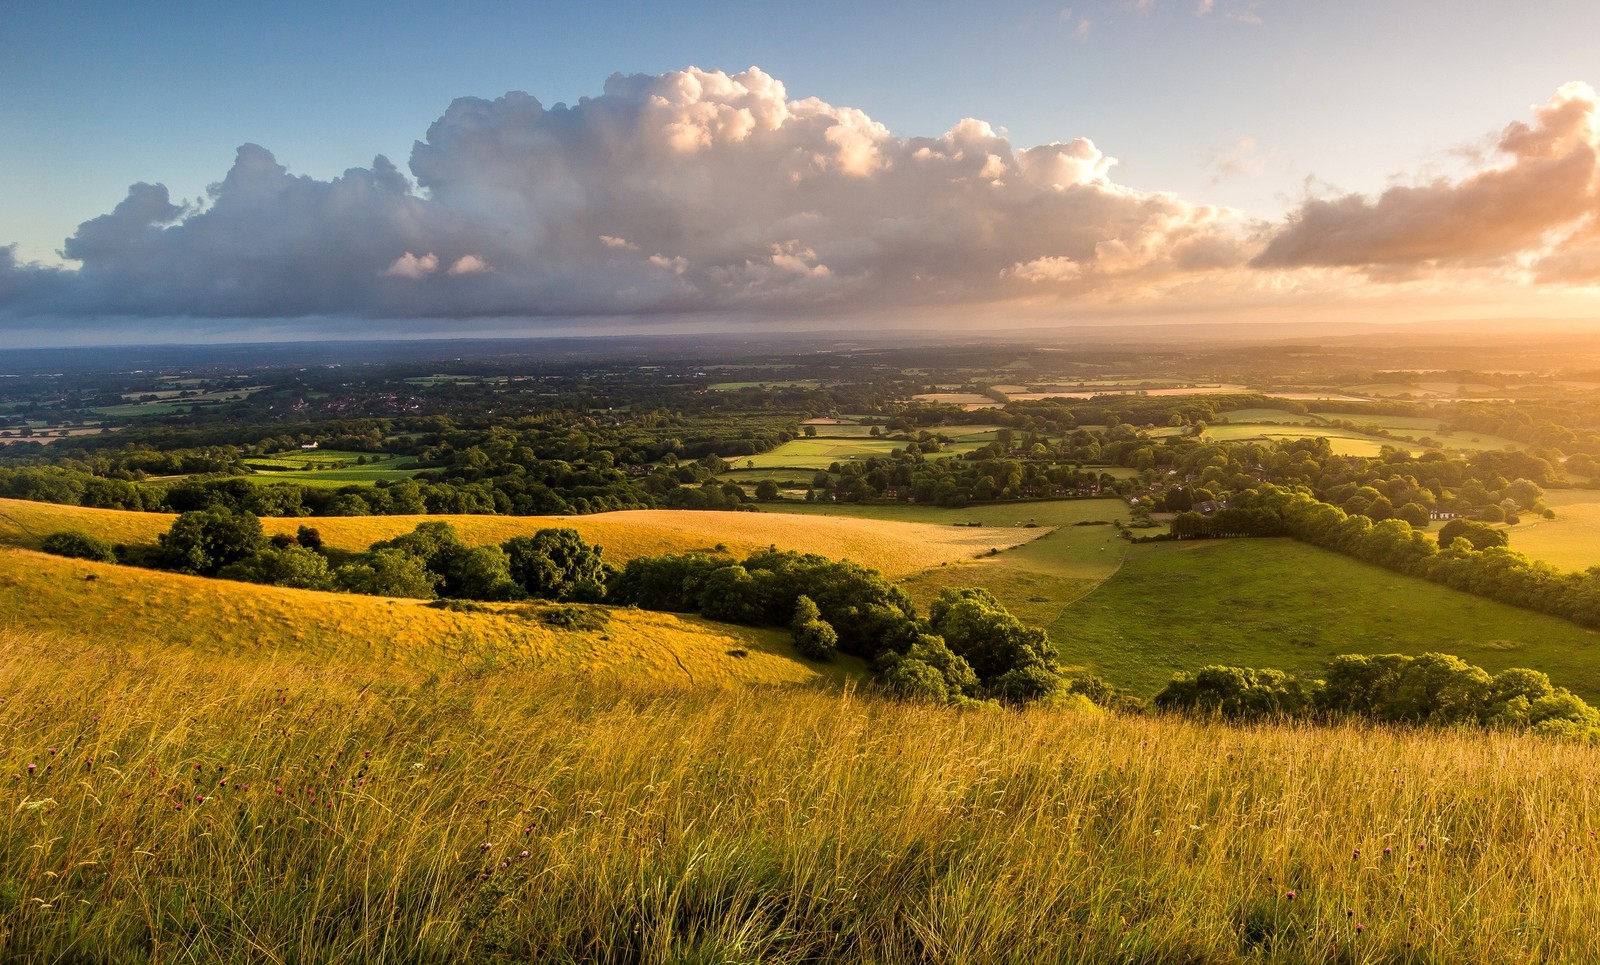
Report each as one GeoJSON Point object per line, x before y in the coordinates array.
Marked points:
{"type": "Point", "coordinates": [895, 548]}
{"type": "Point", "coordinates": [143, 608]}
{"type": "Point", "coordinates": [172, 804]}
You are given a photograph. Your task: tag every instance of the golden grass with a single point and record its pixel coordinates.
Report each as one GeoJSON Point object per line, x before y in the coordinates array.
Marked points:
{"type": "Point", "coordinates": [135, 608]}
{"type": "Point", "coordinates": [190, 807]}
{"type": "Point", "coordinates": [895, 548]}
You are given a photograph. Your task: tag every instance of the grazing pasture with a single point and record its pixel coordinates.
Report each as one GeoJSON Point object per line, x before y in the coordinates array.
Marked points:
{"type": "Point", "coordinates": [1278, 603]}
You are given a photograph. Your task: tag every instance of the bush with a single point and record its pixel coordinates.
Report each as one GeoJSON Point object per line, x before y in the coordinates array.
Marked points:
{"type": "Point", "coordinates": [292, 566]}
{"type": "Point", "coordinates": [388, 572]}
{"type": "Point", "coordinates": [813, 636]}
{"type": "Point", "coordinates": [79, 546]}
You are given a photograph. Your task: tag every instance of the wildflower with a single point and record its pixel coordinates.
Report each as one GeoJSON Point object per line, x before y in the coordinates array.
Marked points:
{"type": "Point", "coordinates": [1387, 852]}
{"type": "Point", "coordinates": [31, 768]}
{"type": "Point", "coordinates": [1360, 928]}
{"type": "Point", "coordinates": [1356, 853]}
{"type": "Point", "coordinates": [523, 855]}
{"type": "Point", "coordinates": [1290, 895]}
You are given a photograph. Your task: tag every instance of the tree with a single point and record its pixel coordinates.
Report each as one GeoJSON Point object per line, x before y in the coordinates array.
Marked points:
{"type": "Point", "coordinates": [388, 572]}
{"type": "Point", "coordinates": [1480, 535]}
{"type": "Point", "coordinates": [203, 541]}
{"type": "Point", "coordinates": [978, 629]}
{"type": "Point", "coordinates": [554, 562]}
{"type": "Point", "coordinates": [813, 636]}
{"type": "Point", "coordinates": [291, 566]}
{"type": "Point", "coordinates": [767, 490]}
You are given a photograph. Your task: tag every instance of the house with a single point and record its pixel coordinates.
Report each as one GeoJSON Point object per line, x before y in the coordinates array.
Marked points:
{"type": "Point", "coordinates": [1434, 514]}
{"type": "Point", "coordinates": [308, 445]}
{"type": "Point", "coordinates": [1208, 506]}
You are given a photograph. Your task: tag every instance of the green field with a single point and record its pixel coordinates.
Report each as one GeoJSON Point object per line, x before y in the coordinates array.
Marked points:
{"type": "Point", "coordinates": [1136, 614]}
{"type": "Point", "coordinates": [822, 451]}
{"type": "Point", "coordinates": [1345, 442]}
{"type": "Point", "coordinates": [1571, 541]}
{"type": "Point", "coordinates": [330, 468]}
{"type": "Point", "coordinates": [1278, 603]}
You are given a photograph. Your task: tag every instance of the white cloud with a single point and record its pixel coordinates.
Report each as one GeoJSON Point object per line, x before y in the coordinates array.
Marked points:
{"type": "Point", "coordinates": [689, 191]}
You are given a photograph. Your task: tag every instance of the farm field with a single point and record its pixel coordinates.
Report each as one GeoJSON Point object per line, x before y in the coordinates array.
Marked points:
{"type": "Point", "coordinates": [1278, 603]}
{"type": "Point", "coordinates": [328, 467]}
{"type": "Point", "coordinates": [145, 608]}
{"type": "Point", "coordinates": [1345, 442]}
{"type": "Point", "coordinates": [829, 447]}
{"type": "Point", "coordinates": [1571, 541]}
{"type": "Point", "coordinates": [896, 548]}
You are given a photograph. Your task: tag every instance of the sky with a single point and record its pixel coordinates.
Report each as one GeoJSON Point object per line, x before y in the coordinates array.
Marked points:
{"type": "Point", "coordinates": [204, 171]}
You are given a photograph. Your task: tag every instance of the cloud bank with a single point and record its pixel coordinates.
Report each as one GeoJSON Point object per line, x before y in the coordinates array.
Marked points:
{"type": "Point", "coordinates": [704, 192]}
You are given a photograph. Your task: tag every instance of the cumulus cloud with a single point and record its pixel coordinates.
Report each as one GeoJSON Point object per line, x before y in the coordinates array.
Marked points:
{"type": "Point", "coordinates": [705, 192]}
{"type": "Point", "coordinates": [1537, 207]}
{"type": "Point", "coordinates": [689, 191]}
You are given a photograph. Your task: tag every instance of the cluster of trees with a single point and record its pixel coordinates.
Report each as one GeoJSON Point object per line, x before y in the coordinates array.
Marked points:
{"type": "Point", "coordinates": [430, 561]}
{"type": "Point", "coordinates": [968, 648]}
{"type": "Point", "coordinates": [1493, 571]}
{"type": "Point", "coordinates": [1431, 690]}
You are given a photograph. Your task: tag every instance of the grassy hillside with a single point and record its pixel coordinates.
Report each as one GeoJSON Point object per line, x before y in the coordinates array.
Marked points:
{"type": "Point", "coordinates": [177, 806]}
{"type": "Point", "coordinates": [220, 618]}
{"type": "Point", "coordinates": [893, 547]}
{"type": "Point", "coordinates": [1278, 603]}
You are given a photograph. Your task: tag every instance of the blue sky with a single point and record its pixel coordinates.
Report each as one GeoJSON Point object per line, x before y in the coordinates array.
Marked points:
{"type": "Point", "coordinates": [1247, 105]}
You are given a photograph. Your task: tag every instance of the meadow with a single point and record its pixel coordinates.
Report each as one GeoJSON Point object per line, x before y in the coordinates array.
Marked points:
{"type": "Point", "coordinates": [329, 468]}
{"type": "Point", "coordinates": [1137, 614]}
{"type": "Point", "coordinates": [1571, 541]}
{"type": "Point", "coordinates": [163, 804]}
{"type": "Point", "coordinates": [1282, 604]}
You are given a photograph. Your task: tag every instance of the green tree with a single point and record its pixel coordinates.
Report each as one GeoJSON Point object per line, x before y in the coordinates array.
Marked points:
{"type": "Point", "coordinates": [203, 541]}
{"type": "Point", "coordinates": [291, 566]}
{"type": "Point", "coordinates": [388, 572]}
{"type": "Point", "coordinates": [553, 563]}
{"type": "Point", "coordinates": [767, 490]}
{"type": "Point", "coordinates": [813, 636]}
{"type": "Point", "coordinates": [978, 629]}
{"type": "Point", "coordinates": [1480, 535]}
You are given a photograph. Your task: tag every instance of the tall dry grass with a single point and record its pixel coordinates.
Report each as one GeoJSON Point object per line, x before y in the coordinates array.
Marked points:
{"type": "Point", "coordinates": [185, 807]}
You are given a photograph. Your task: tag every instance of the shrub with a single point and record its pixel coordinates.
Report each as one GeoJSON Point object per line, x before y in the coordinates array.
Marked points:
{"type": "Point", "coordinates": [80, 546]}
